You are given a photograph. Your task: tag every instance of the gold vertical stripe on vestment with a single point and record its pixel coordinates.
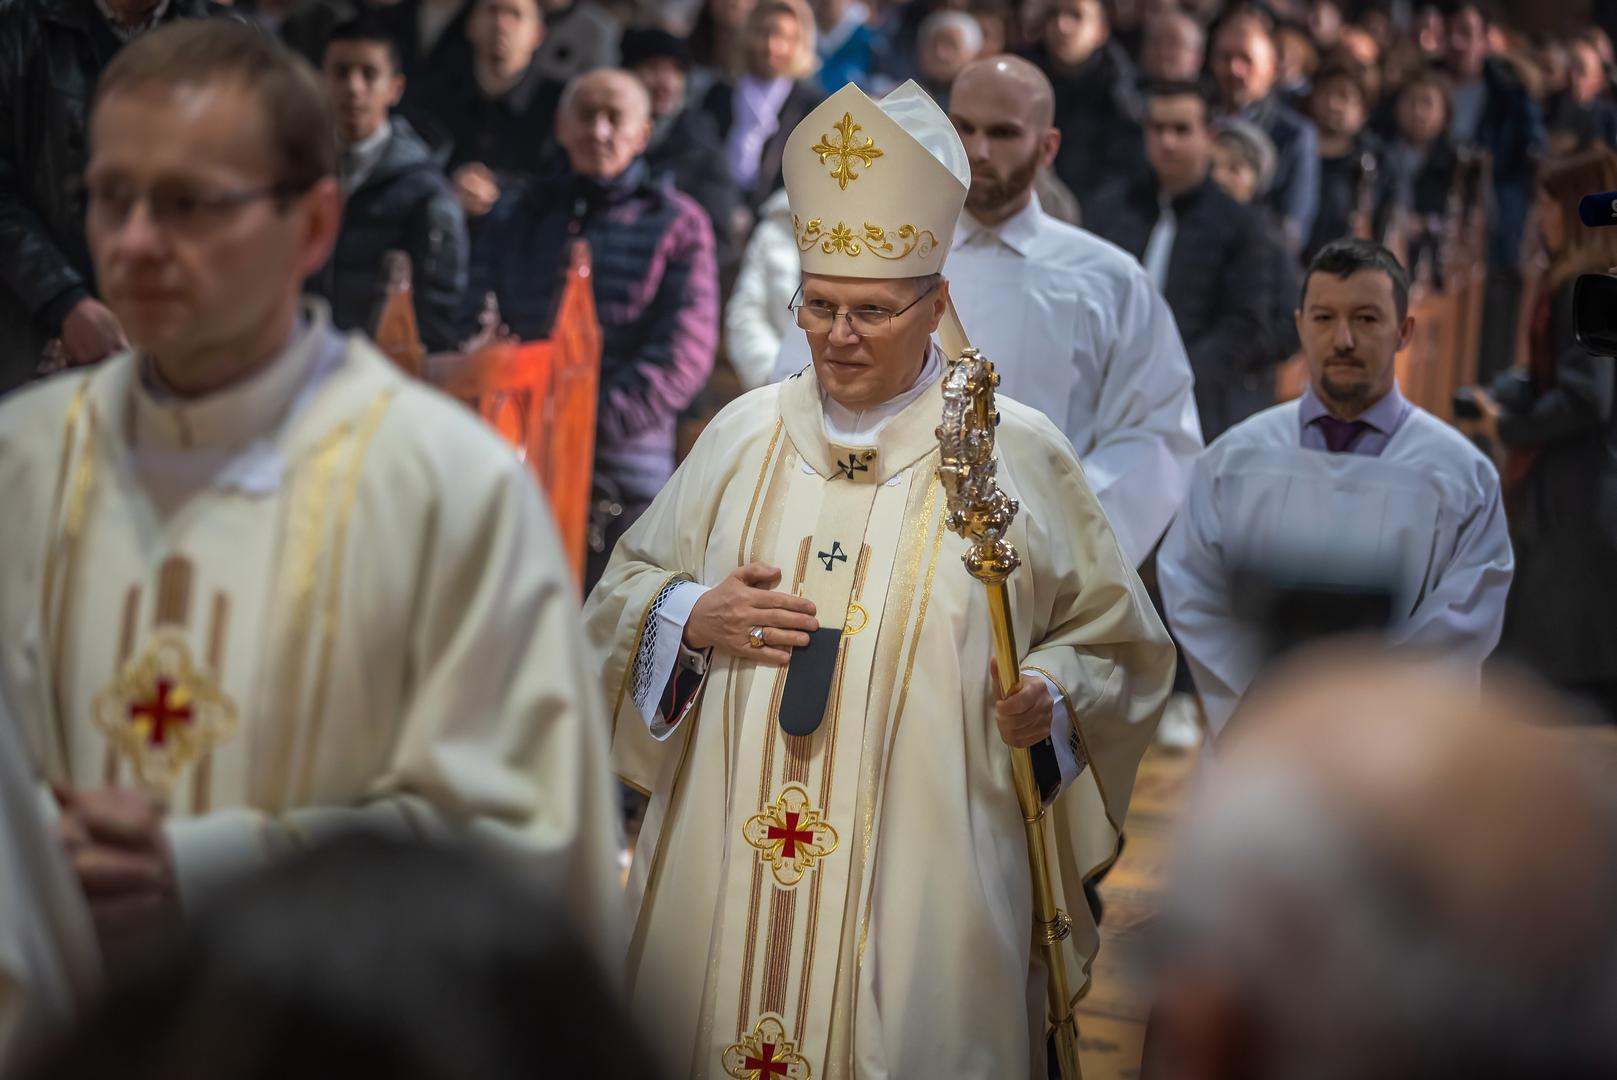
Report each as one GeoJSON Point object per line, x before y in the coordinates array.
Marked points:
{"type": "Point", "coordinates": [77, 497]}
{"type": "Point", "coordinates": [337, 559]}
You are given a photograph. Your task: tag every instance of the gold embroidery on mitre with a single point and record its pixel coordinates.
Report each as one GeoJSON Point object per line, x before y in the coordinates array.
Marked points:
{"type": "Point", "coordinates": [765, 1054]}
{"type": "Point", "coordinates": [163, 712]}
{"type": "Point", "coordinates": [790, 835]}
{"type": "Point", "coordinates": [880, 242]}
{"type": "Point", "coordinates": [846, 152]}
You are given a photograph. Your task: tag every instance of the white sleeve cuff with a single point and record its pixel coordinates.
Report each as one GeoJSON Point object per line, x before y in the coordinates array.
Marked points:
{"type": "Point", "coordinates": [661, 647]}
{"type": "Point", "coordinates": [1060, 731]}
{"type": "Point", "coordinates": [214, 850]}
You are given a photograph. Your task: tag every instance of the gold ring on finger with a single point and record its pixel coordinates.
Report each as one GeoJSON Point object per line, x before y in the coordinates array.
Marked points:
{"type": "Point", "coordinates": [755, 638]}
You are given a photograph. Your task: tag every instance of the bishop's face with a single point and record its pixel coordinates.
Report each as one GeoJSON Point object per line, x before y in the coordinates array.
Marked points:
{"type": "Point", "coordinates": [864, 369]}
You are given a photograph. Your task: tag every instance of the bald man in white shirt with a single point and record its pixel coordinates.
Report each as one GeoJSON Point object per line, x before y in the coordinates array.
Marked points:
{"type": "Point", "coordinates": [1071, 322]}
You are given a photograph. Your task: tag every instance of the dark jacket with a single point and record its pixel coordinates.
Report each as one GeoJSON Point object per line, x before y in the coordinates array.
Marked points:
{"type": "Point", "coordinates": [1564, 525]}
{"type": "Point", "coordinates": [405, 204]}
{"type": "Point", "coordinates": [1587, 125]}
{"type": "Point", "coordinates": [1098, 111]}
{"type": "Point", "coordinates": [1294, 193]}
{"type": "Point", "coordinates": [656, 296]}
{"type": "Point", "coordinates": [1421, 183]}
{"type": "Point", "coordinates": [1341, 180]}
{"type": "Point", "coordinates": [688, 151]}
{"type": "Point", "coordinates": [1220, 288]}
{"type": "Point", "coordinates": [1512, 131]}
{"type": "Point", "coordinates": [800, 101]}
{"type": "Point", "coordinates": [511, 134]}
{"type": "Point", "coordinates": [52, 53]}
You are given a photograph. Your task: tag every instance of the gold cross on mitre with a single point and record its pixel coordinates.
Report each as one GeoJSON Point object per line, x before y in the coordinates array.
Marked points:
{"type": "Point", "coordinates": [846, 151]}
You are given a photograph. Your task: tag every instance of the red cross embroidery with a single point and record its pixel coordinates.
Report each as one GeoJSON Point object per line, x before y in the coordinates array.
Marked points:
{"type": "Point", "coordinates": [791, 834]}
{"type": "Point", "coordinates": [160, 713]}
{"type": "Point", "coordinates": [766, 1066]}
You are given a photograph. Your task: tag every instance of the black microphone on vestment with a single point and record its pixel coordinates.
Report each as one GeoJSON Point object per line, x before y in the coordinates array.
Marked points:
{"type": "Point", "coordinates": [1598, 209]}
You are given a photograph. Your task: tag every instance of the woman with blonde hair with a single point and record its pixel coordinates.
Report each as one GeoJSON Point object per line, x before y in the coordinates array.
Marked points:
{"type": "Point", "coordinates": [1556, 419]}
{"type": "Point", "coordinates": [759, 109]}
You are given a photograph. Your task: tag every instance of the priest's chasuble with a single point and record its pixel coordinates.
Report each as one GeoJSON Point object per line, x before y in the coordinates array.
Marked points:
{"type": "Point", "coordinates": [325, 597]}
{"type": "Point", "coordinates": [855, 902]}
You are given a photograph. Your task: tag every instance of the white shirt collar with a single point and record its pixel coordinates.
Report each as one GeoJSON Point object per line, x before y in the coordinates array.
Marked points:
{"type": "Point", "coordinates": [1018, 232]}
{"type": "Point", "coordinates": [850, 428]}
{"type": "Point", "coordinates": [363, 157]}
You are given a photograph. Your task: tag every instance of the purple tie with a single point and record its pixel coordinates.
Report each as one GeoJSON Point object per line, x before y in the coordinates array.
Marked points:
{"type": "Point", "coordinates": [1340, 434]}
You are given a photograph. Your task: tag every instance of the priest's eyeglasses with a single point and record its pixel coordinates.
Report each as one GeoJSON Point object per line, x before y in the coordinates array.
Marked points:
{"type": "Point", "coordinates": [176, 207]}
{"type": "Point", "coordinates": [866, 320]}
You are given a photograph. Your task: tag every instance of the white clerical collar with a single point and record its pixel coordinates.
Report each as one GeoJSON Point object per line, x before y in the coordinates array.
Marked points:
{"type": "Point", "coordinates": [843, 425]}
{"type": "Point", "coordinates": [237, 415]}
{"type": "Point", "coordinates": [1017, 232]}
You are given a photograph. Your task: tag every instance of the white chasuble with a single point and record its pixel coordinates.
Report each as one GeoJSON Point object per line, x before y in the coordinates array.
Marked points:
{"type": "Point", "coordinates": [855, 901]}
{"type": "Point", "coordinates": [326, 597]}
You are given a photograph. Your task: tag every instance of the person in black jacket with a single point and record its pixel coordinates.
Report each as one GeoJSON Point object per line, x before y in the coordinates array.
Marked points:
{"type": "Point", "coordinates": [1204, 250]}
{"type": "Point", "coordinates": [1354, 180]}
{"type": "Point", "coordinates": [1558, 420]}
{"type": "Point", "coordinates": [1245, 66]}
{"type": "Point", "coordinates": [497, 113]}
{"type": "Point", "coordinates": [1097, 101]}
{"type": "Point", "coordinates": [51, 54]}
{"type": "Point", "coordinates": [397, 196]}
{"type": "Point", "coordinates": [685, 143]}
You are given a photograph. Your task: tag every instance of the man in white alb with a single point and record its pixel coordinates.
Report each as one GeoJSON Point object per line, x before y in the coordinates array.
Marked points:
{"type": "Point", "coordinates": [1350, 488]}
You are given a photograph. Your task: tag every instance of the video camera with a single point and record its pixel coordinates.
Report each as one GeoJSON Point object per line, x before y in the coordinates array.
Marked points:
{"type": "Point", "coordinates": [1594, 296]}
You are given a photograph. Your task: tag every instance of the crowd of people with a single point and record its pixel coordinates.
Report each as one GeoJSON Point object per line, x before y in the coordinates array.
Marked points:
{"type": "Point", "coordinates": [268, 591]}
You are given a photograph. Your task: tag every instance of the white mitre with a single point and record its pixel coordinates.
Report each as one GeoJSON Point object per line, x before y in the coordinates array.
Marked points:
{"type": "Point", "coordinates": [876, 188]}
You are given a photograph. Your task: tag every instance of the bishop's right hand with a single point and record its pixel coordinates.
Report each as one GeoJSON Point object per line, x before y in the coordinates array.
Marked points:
{"type": "Point", "coordinates": [726, 614]}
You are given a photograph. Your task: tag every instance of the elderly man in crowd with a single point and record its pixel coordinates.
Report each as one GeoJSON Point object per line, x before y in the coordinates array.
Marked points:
{"type": "Point", "coordinates": [654, 279]}
{"type": "Point", "coordinates": [1351, 491]}
{"type": "Point", "coordinates": [1391, 878]}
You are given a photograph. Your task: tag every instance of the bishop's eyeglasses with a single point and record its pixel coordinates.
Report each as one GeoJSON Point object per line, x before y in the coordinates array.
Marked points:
{"type": "Point", "coordinates": [866, 320]}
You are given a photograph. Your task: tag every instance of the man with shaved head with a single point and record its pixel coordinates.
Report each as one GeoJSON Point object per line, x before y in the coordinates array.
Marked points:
{"type": "Point", "coordinates": [1071, 321]}
{"type": "Point", "coordinates": [1391, 876]}
{"type": "Point", "coordinates": [655, 281]}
